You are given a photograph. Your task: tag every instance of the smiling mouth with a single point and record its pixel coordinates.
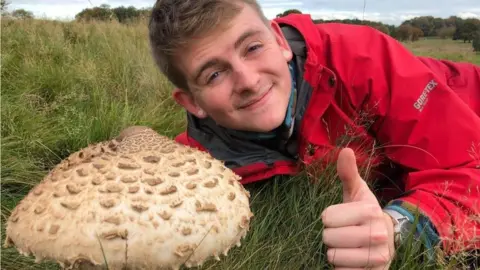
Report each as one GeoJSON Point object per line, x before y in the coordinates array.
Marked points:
{"type": "Point", "coordinates": [255, 101]}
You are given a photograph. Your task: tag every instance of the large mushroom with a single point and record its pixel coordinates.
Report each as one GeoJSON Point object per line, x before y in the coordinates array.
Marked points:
{"type": "Point", "coordinates": [139, 201]}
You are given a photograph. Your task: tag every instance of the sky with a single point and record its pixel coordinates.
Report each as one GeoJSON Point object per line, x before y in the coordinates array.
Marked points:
{"type": "Point", "coordinates": [386, 11]}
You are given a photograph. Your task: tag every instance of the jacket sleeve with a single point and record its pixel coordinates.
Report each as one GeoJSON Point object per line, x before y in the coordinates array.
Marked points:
{"type": "Point", "coordinates": [422, 124]}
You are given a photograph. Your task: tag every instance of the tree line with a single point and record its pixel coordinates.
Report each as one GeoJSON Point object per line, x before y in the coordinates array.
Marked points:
{"type": "Point", "coordinates": [453, 27]}
{"type": "Point", "coordinates": [121, 14]}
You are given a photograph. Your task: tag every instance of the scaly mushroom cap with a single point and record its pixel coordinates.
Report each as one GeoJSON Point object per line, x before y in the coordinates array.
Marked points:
{"type": "Point", "coordinates": [140, 201]}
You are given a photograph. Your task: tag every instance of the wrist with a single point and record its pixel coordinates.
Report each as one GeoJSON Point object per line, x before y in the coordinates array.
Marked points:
{"type": "Point", "coordinates": [391, 231]}
{"type": "Point", "coordinates": [401, 225]}
{"type": "Point", "coordinates": [407, 228]}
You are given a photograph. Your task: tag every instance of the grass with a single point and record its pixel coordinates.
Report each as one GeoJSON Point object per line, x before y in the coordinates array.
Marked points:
{"type": "Point", "coordinates": [445, 49]}
{"type": "Point", "coordinates": [65, 85]}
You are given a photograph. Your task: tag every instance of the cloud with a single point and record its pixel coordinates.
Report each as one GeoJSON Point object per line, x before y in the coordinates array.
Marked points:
{"type": "Point", "coordinates": [469, 14]}
{"type": "Point", "coordinates": [387, 11]}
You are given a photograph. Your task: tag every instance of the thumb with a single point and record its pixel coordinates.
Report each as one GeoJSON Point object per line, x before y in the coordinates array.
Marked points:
{"type": "Point", "coordinates": [354, 187]}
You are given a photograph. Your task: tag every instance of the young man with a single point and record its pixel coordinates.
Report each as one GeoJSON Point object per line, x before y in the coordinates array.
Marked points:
{"type": "Point", "coordinates": [274, 97]}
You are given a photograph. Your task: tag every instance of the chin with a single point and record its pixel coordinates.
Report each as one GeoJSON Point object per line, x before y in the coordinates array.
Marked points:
{"type": "Point", "coordinates": [270, 121]}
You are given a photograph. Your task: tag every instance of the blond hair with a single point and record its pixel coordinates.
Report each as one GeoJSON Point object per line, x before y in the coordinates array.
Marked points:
{"type": "Point", "coordinates": [175, 23]}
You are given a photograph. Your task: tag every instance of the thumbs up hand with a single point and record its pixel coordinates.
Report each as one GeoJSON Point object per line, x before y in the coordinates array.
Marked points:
{"type": "Point", "coordinates": [358, 233]}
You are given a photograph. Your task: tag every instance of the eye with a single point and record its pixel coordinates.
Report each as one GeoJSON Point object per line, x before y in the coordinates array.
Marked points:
{"type": "Point", "coordinates": [213, 76]}
{"type": "Point", "coordinates": [254, 47]}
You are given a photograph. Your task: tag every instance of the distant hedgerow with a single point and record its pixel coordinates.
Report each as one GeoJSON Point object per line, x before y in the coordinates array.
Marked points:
{"type": "Point", "coordinates": [476, 41]}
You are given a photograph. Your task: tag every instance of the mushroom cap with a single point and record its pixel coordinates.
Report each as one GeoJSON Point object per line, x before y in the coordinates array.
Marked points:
{"type": "Point", "coordinates": [139, 201]}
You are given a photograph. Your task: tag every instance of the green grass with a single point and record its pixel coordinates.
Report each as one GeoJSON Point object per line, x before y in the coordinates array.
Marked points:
{"type": "Point", "coordinates": [445, 49]}
{"type": "Point", "coordinates": [67, 85]}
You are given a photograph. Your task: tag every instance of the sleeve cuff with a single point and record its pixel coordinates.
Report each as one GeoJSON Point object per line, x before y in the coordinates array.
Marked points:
{"type": "Point", "coordinates": [424, 226]}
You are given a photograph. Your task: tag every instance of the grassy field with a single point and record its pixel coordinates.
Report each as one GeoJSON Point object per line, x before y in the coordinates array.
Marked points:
{"type": "Point", "coordinates": [67, 85]}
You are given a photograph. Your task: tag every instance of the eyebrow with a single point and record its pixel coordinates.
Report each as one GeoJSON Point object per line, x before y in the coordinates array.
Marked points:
{"type": "Point", "coordinates": [213, 62]}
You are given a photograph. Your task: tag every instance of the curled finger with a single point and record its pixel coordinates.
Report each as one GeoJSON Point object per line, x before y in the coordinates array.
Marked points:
{"type": "Point", "coordinates": [377, 256]}
{"type": "Point", "coordinates": [350, 214]}
{"type": "Point", "coordinates": [356, 236]}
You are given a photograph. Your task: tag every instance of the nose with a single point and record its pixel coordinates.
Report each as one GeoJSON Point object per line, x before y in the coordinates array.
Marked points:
{"type": "Point", "coordinates": [246, 77]}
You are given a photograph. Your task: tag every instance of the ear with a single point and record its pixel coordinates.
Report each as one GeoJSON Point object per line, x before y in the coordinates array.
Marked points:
{"type": "Point", "coordinates": [186, 100]}
{"type": "Point", "coordinates": [281, 40]}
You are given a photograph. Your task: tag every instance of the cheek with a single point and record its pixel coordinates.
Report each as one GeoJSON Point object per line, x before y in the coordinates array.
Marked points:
{"type": "Point", "coordinates": [284, 80]}
{"type": "Point", "coordinates": [277, 66]}
{"type": "Point", "coordinates": [216, 102]}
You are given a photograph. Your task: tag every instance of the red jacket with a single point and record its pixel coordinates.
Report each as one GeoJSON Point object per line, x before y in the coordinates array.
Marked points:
{"type": "Point", "coordinates": [415, 119]}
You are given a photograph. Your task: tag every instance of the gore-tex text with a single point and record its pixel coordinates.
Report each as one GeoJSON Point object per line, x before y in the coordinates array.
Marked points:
{"type": "Point", "coordinates": [422, 100]}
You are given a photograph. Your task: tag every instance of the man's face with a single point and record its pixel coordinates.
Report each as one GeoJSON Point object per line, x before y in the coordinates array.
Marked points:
{"type": "Point", "coordinates": [238, 75]}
